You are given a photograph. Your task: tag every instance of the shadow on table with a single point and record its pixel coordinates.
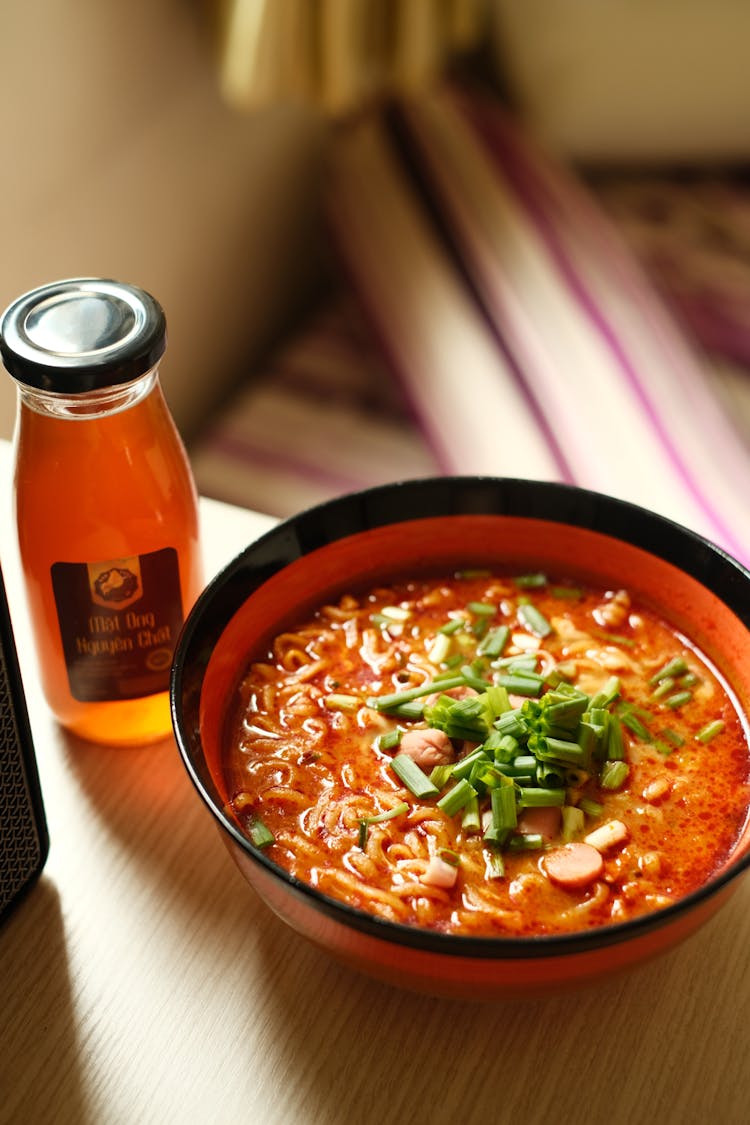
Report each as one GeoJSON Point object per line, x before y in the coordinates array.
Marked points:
{"type": "Point", "coordinates": [40, 1065]}
{"type": "Point", "coordinates": [346, 1049]}
{"type": "Point", "coordinates": [616, 1052]}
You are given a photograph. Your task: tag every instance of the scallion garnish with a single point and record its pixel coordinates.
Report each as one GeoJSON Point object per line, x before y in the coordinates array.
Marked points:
{"type": "Point", "coordinates": [614, 774]}
{"type": "Point", "coordinates": [679, 699]}
{"type": "Point", "coordinates": [379, 818]}
{"type": "Point", "coordinates": [456, 798]}
{"type": "Point", "coordinates": [339, 702]}
{"type": "Point", "coordinates": [396, 699]}
{"type": "Point", "coordinates": [482, 609]}
{"type": "Point", "coordinates": [527, 683]}
{"type": "Point", "coordinates": [525, 841]}
{"type": "Point", "coordinates": [451, 626]}
{"type": "Point", "coordinates": [259, 833]}
{"type": "Point", "coordinates": [414, 778]}
{"type": "Point", "coordinates": [534, 620]}
{"type": "Point", "coordinates": [493, 643]}
{"type": "Point", "coordinates": [471, 820]}
{"type": "Point", "coordinates": [664, 687]}
{"type": "Point", "coordinates": [710, 731]}
{"type": "Point", "coordinates": [390, 739]}
{"type": "Point", "coordinates": [530, 581]}
{"type": "Point", "coordinates": [535, 798]}
{"type": "Point", "coordinates": [674, 668]}
{"type": "Point", "coordinates": [573, 821]}
{"type": "Point", "coordinates": [449, 856]}
{"type": "Point", "coordinates": [440, 649]}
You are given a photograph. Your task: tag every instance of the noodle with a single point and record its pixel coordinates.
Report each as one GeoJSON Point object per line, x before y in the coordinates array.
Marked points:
{"type": "Point", "coordinates": [320, 775]}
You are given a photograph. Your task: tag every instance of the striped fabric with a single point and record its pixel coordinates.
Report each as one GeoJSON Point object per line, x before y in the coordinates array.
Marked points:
{"type": "Point", "coordinates": [533, 330]}
{"type": "Point", "coordinates": [325, 417]}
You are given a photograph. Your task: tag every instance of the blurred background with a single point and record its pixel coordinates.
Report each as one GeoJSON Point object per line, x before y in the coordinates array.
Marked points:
{"type": "Point", "coordinates": [185, 146]}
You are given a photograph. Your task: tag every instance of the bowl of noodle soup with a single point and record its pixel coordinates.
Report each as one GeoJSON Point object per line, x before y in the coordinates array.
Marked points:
{"type": "Point", "coordinates": [473, 736]}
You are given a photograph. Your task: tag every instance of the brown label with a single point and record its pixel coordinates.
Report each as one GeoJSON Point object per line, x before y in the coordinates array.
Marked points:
{"type": "Point", "coordinates": [119, 621]}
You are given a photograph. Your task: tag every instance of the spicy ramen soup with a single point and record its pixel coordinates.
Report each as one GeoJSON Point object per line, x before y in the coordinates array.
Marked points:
{"type": "Point", "coordinates": [488, 755]}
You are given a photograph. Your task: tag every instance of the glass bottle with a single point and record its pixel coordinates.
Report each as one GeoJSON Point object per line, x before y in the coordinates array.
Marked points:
{"type": "Point", "coordinates": [105, 505]}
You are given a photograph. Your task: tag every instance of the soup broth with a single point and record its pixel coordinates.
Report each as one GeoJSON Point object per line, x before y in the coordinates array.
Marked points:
{"type": "Point", "coordinates": [489, 755]}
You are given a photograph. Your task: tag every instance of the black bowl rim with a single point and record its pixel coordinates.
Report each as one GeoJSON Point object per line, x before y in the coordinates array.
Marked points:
{"type": "Point", "coordinates": [407, 500]}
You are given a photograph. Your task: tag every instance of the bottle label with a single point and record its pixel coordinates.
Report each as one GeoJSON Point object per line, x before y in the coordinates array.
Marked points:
{"type": "Point", "coordinates": [119, 621]}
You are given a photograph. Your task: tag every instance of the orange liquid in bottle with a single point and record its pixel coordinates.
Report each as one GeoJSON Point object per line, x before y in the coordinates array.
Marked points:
{"type": "Point", "coordinates": [102, 486]}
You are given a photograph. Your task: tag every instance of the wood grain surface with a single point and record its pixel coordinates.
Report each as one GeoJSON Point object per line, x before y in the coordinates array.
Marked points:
{"type": "Point", "coordinates": [142, 981]}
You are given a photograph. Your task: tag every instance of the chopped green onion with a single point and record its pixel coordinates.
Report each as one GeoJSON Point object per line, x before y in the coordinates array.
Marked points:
{"type": "Point", "coordinates": [412, 709]}
{"type": "Point", "coordinates": [567, 592]}
{"type": "Point", "coordinates": [451, 626]}
{"type": "Point", "coordinates": [525, 841]}
{"type": "Point", "coordinates": [396, 699]}
{"type": "Point", "coordinates": [463, 767]}
{"type": "Point", "coordinates": [379, 818]}
{"type": "Point", "coordinates": [503, 747]}
{"type": "Point", "coordinates": [477, 682]}
{"type": "Point", "coordinates": [710, 731]}
{"type": "Point", "coordinates": [504, 815]}
{"type": "Point", "coordinates": [672, 736]}
{"type": "Point", "coordinates": [528, 684]}
{"type": "Point", "coordinates": [519, 662]}
{"type": "Point", "coordinates": [573, 821]}
{"type": "Point", "coordinates": [615, 740]}
{"type": "Point", "coordinates": [674, 667]}
{"type": "Point", "coordinates": [471, 820]}
{"type": "Point", "coordinates": [415, 779]}
{"type": "Point", "coordinates": [606, 694]}
{"type": "Point", "coordinates": [441, 775]}
{"type": "Point", "coordinates": [456, 798]}
{"type": "Point", "coordinates": [679, 699]}
{"type": "Point", "coordinates": [440, 649]}
{"type": "Point", "coordinates": [449, 856]}
{"type": "Point", "coordinates": [494, 864]}
{"type": "Point", "coordinates": [512, 723]}
{"type": "Point", "coordinates": [530, 581]}
{"type": "Point", "coordinates": [690, 679]}
{"type": "Point", "coordinates": [390, 740]}
{"type": "Point", "coordinates": [590, 807]}
{"type": "Point", "coordinates": [559, 750]}
{"type": "Point", "coordinates": [260, 834]}
{"type": "Point", "coordinates": [534, 620]}
{"type": "Point", "coordinates": [493, 643]}
{"type": "Point", "coordinates": [616, 639]}
{"type": "Point", "coordinates": [549, 775]}
{"type": "Point", "coordinates": [664, 688]}
{"type": "Point", "coordinates": [614, 774]}
{"type": "Point", "coordinates": [479, 627]}
{"type": "Point", "coordinates": [564, 672]}
{"type": "Point", "coordinates": [629, 719]}
{"type": "Point", "coordinates": [337, 702]}
{"type": "Point", "coordinates": [483, 609]}
{"type": "Point", "coordinates": [533, 798]}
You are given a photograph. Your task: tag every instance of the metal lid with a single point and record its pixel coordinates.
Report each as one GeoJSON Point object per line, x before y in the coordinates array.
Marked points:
{"type": "Point", "coordinates": [82, 334]}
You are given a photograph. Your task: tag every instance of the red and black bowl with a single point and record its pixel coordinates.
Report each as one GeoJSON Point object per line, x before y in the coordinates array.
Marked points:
{"type": "Point", "coordinates": [435, 525]}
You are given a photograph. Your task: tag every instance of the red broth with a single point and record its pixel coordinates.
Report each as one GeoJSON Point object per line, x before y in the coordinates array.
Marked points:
{"type": "Point", "coordinates": [578, 763]}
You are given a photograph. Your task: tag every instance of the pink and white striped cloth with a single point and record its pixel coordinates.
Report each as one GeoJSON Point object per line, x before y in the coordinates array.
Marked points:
{"type": "Point", "coordinates": [497, 315]}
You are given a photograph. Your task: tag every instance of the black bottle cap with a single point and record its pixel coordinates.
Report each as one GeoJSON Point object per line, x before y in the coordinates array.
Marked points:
{"type": "Point", "coordinates": [82, 334]}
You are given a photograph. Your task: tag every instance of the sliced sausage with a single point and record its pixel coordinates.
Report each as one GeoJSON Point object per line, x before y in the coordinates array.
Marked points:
{"type": "Point", "coordinates": [427, 747]}
{"type": "Point", "coordinates": [573, 866]}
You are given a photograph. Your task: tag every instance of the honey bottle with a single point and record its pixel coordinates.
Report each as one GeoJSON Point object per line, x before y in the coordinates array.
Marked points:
{"type": "Point", "coordinates": [105, 504]}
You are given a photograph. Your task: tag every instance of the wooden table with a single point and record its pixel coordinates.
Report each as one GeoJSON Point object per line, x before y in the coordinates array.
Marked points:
{"type": "Point", "coordinates": [142, 981]}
